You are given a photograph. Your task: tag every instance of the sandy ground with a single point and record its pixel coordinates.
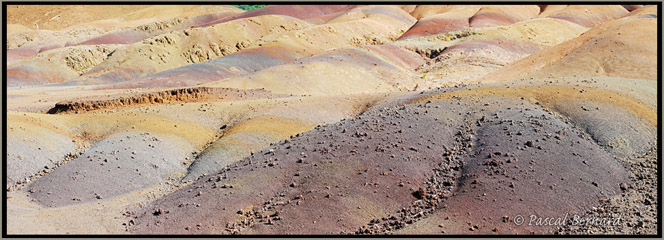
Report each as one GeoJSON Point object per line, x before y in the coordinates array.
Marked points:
{"type": "Point", "coordinates": [106, 217]}
{"type": "Point", "coordinates": [315, 119]}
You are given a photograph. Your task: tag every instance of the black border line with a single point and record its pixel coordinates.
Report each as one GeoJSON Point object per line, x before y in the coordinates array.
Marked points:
{"type": "Point", "coordinates": [4, 116]}
{"type": "Point", "coordinates": [4, 121]}
{"type": "Point", "coordinates": [659, 121]}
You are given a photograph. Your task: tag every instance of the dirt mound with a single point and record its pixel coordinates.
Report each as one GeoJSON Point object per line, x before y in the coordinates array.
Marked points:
{"type": "Point", "coordinates": [649, 11]}
{"type": "Point", "coordinates": [379, 25]}
{"type": "Point", "coordinates": [601, 107]}
{"type": "Point", "coordinates": [184, 47]}
{"type": "Point", "coordinates": [154, 29]}
{"type": "Point", "coordinates": [269, 125]}
{"type": "Point", "coordinates": [389, 61]}
{"type": "Point", "coordinates": [632, 7]}
{"type": "Point", "coordinates": [521, 164]}
{"type": "Point", "coordinates": [621, 110]}
{"type": "Point", "coordinates": [473, 59]}
{"type": "Point", "coordinates": [365, 25]}
{"type": "Point", "coordinates": [302, 12]}
{"type": "Point", "coordinates": [441, 19]}
{"type": "Point", "coordinates": [17, 54]}
{"type": "Point", "coordinates": [16, 28]}
{"type": "Point", "coordinates": [436, 19]}
{"type": "Point", "coordinates": [120, 30]}
{"type": "Point", "coordinates": [130, 161]}
{"type": "Point", "coordinates": [156, 13]}
{"type": "Point", "coordinates": [620, 48]}
{"type": "Point", "coordinates": [137, 34]}
{"type": "Point", "coordinates": [636, 206]}
{"type": "Point", "coordinates": [341, 71]}
{"type": "Point", "coordinates": [422, 12]}
{"type": "Point", "coordinates": [55, 17]}
{"type": "Point", "coordinates": [626, 51]}
{"type": "Point", "coordinates": [435, 26]}
{"type": "Point", "coordinates": [58, 17]}
{"type": "Point", "coordinates": [389, 12]}
{"type": "Point", "coordinates": [34, 146]}
{"type": "Point", "coordinates": [397, 56]}
{"type": "Point", "coordinates": [490, 16]}
{"type": "Point", "coordinates": [343, 178]}
{"type": "Point", "coordinates": [587, 15]}
{"type": "Point", "coordinates": [465, 55]}
{"type": "Point", "coordinates": [343, 167]}
{"type": "Point", "coordinates": [57, 65]}
{"type": "Point", "coordinates": [240, 63]}
{"type": "Point", "coordinates": [27, 44]}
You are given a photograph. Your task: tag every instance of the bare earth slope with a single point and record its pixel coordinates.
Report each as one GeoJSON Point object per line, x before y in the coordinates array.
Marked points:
{"type": "Point", "coordinates": [634, 47]}
{"type": "Point", "coordinates": [331, 119]}
{"type": "Point", "coordinates": [382, 181]}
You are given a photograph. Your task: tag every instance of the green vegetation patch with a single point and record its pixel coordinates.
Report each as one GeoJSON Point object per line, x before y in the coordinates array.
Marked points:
{"type": "Point", "coordinates": [248, 7]}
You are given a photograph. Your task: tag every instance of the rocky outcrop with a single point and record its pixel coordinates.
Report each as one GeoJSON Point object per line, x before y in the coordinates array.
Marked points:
{"type": "Point", "coordinates": [163, 97]}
